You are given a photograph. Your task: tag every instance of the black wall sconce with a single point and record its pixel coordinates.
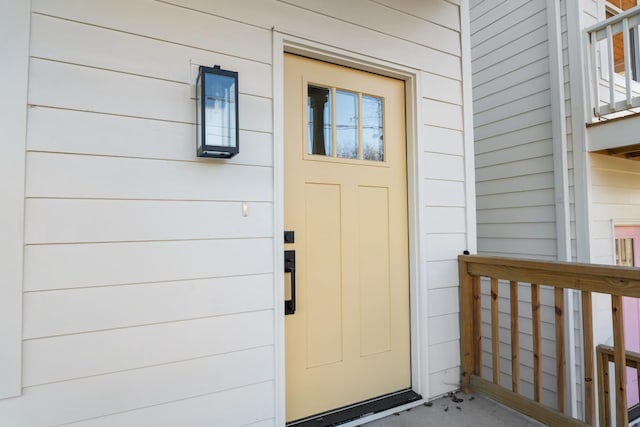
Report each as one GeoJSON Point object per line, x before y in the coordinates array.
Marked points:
{"type": "Point", "coordinates": [217, 113]}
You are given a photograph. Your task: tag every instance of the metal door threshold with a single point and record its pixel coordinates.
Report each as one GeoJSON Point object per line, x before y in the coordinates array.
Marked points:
{"type": "Point", "coordinates": [358, 410]}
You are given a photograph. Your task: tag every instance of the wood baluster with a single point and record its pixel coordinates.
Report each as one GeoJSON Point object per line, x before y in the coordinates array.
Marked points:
{"type": "Point", "coordinates": [477, 324]}
{"type": "Point", "coordinates": [587, 339]}
{"type": "Point", "coordinates": [622, 417]}
{"type": "Point", "coordinates": [515, 338]}
{"type": "Point", "coordinates": [537, 342]}
{"type": "Point", "coordinates": [560, 351]}
{"type": "Point", "coordinates": [495, 331]}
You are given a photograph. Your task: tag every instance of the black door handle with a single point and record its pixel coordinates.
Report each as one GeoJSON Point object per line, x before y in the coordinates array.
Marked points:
{"type": "Point", "coordinates": [290, 267]}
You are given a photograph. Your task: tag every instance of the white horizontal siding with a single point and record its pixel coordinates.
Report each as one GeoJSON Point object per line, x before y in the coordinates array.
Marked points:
{"type": "Point", "coordinates": [293, 19]}
{"type": "Point", "coordinates": [517, 184]}
{"type": "Point", "coordinates": [444, 220]}
{"type": "Point", "coordinates": [517, 61]}
{"type": "Point", "coordinates": [515, 168]}
{"type": "Point", "coordinates": [515, 199]}
{"type": "Point", "coordinates": [221, 408]}
{"type": "Point", "coordinates": [119, 392]}
{"type": "Point", "coordinates": [109, 49]}
{"type": "Point", "coordinates": [530, 230]}
{"type": "Point", "coordinates": [525, 135]}
{"type": "Point", "coordinates": [110, 307]}
{"type": "Point", "coordinates": [483, 46]}
{"type": "Point", "coordinates": [444, 141]}
{"type": "Point", "coordinates": [65, 131]}
{"type": "Point", "coordinates": [515, 196]}
{"type": "Point", "coordinates": [512, 93]}
{"type": "Point", "coordinates": [442, 114]}
{"type": "Point", "coordinates": [99, 264]}
{"type": "Point", "coordinates": [78, 176]}
{"type": "Point", "coordinates": [102, 91]}
{"type": "Point", "coordinates": [88, 354]}
{"type": "Point", "coordinates": [444, 193]}
{"type": "Point", "coordinates": [508, 109]}
{"type": "Point", "coordinates": [511, 77]}
{"type": "Point", "coordinates": [536, 37]}
{"type": "Point", "coordinates": [443, 13]}
{"type": "Point", "coordinates": [441, 88]}
{"type": "Point", "coordinates": [169, 24]}
{"type": "Point", "coordinates": [497, 13]}
{"type": "Point", "coordinates": [518, 215]}
{"type": "Point", "coordinates": [100, 220]}
{"type": "Point", "coordinates": [513, 124]}
{"type": "Point", "coordinates": [440, 273]}
{"type": "Point", "coordinates": [388, 21]}
{"type": "Point", "coordinates": [524, 150]}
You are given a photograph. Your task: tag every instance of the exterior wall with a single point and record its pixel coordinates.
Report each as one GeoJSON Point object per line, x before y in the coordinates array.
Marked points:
{"type": "Point", "coordinates": [615, 189]}
{"type": "Point", "coordinates": [514, 160]}
{"type": "Point", "coordinates": [512, 118]}
{"type": "Point", "coordinates": [148, 298]}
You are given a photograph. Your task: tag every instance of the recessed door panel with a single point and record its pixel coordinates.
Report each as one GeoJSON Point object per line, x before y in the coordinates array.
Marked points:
{"type": "Point", "coordinates": [323, 280]}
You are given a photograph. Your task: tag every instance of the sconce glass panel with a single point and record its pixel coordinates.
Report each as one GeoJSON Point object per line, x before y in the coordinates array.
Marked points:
{"type": "Point", "coordinates": [217, 111]}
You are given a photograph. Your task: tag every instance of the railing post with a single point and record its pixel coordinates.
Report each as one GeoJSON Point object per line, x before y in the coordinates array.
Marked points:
{"type": "Point", "coordinates": [467, 347]}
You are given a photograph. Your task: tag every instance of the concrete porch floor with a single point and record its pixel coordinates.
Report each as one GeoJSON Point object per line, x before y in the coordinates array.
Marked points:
{"type": "Point", "coordinates": [472, 411]}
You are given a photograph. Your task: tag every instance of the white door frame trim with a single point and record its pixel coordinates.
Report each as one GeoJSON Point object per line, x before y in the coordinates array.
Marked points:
{"type": "Point", "coordinates": [15, 18]}
{"type": "Point", "coordinates": [282, 43]}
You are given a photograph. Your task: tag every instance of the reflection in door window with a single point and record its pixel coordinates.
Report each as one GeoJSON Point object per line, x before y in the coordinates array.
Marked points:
{"type": "Point", "coordinates": [372, 146]}
{"type": "Point", "coordinates": [319, 112]}
{"type": "Point", "coordinates": [347, 124]}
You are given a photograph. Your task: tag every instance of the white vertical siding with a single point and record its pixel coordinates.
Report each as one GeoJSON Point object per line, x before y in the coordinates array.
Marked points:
{"type": "Point", "coordinates": [148, 297]}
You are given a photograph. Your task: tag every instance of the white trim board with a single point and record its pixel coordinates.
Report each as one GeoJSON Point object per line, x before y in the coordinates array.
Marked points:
{"type": "Point", "coordinates": [419, 343]}
{"type": "Point", "coordinates": [14, 56]}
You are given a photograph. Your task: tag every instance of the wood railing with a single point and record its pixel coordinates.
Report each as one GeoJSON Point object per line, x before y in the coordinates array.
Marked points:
{"type": "Point", "coordinates": [587, 278]}
{"type": "Point", "coordinates": [604, 355]}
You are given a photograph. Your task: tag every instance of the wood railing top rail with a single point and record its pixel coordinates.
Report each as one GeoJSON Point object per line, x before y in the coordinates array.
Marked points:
{"type": "Point", "coordinates": [613, 280]}
{"type": "Point", "coordinates": [632, 357]}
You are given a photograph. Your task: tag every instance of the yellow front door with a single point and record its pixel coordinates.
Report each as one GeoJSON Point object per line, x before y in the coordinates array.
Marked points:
{"type": "Point", "coordinates": [346, 202]}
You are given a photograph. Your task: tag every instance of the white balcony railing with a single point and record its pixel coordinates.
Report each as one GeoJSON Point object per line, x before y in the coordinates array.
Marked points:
{"type": "Point", "coordinates": [613, 88]}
